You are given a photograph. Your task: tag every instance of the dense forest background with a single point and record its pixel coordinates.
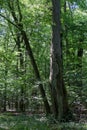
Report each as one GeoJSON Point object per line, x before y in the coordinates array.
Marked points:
{"type": "Point", "coordinates": [43, 63]}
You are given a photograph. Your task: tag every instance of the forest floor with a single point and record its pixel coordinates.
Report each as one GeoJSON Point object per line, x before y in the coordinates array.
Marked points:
{"type": "Point", "coordinates": [20, 121]}
{"type": "Point", "coordinates": [23, 122]}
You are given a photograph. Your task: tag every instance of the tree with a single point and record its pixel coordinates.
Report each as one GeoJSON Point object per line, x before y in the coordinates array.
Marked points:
{"type": "Point", "coordinates": [58, 91]}
{"type": "Point", "coordinates": [20, 28]}
{"type": "Point", "coordinates": [28, 30]}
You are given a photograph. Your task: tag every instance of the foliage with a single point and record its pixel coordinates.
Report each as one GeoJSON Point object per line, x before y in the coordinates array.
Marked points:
{"type": "Point", "coordinates": [18, 84]}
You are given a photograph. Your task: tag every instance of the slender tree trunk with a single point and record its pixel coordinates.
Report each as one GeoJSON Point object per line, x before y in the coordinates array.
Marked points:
{"type": "Point", "coordinates": [5, 90]}
{"type": "Point", "coordinates": [16, 103]}
{"type": "Point", "coordinates": [21, 71]}
{"type": "Point", "coordinates": [5, 78]}
{"type": "Point", "coordinates": [29, 50]}
{"type": "Point", "coordinates": [79, 65]}
{"type": "Point", "coordinates": [66, 37]}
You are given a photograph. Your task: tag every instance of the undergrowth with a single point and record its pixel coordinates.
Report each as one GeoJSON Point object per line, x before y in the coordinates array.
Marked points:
{"type": "Point", "coordinates": [35, 122]}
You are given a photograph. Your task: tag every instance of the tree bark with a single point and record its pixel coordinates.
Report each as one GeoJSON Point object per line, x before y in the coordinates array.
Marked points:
{"type": "Point", "coordinates": [58, 91]}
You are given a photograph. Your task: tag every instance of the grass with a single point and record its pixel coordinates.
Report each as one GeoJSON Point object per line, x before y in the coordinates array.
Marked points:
{"type": "Point", "coordinates": [70, 126]}
{"type": "Point", "coordinates": [23, 122]}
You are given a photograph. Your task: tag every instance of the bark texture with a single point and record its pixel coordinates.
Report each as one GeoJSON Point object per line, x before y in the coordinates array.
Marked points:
{"type": "Point", "coordinates": [58, 91]}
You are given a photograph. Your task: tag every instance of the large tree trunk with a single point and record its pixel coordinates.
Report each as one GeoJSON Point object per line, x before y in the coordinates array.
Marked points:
{"type": "Point", "coordinates": [58, 91]}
